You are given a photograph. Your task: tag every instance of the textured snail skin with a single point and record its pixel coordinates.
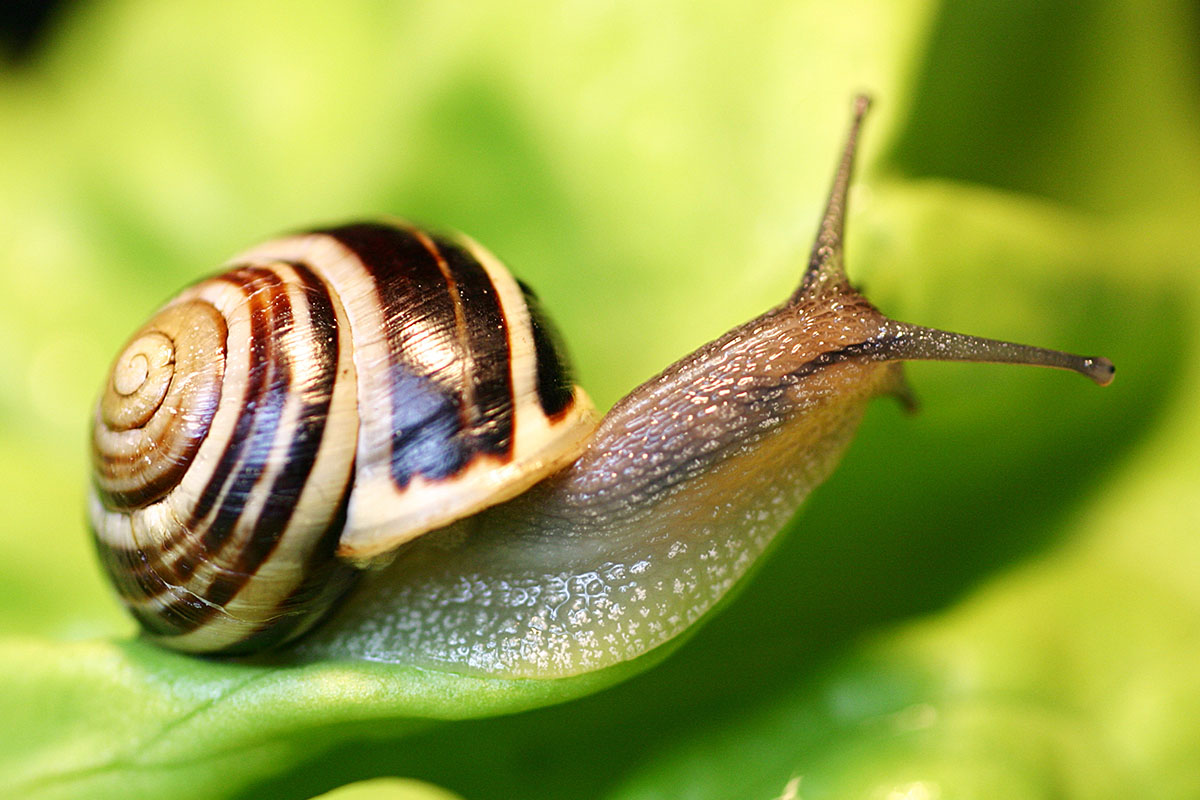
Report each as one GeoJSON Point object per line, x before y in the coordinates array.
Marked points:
{"type": "Point", "coordinates": [682, 487]}
{"type": "Point", "coordinates": [633, 532]}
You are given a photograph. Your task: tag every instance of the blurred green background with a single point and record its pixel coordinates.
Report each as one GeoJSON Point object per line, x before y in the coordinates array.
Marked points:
{"type": "Point", "coordinates": [998, 597]}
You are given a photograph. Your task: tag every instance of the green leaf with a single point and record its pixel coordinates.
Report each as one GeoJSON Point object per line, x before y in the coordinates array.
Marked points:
{"type": "Point", "coordinates": [388, 789]}
{"type": "Point", "coordinates": [1025, 548]}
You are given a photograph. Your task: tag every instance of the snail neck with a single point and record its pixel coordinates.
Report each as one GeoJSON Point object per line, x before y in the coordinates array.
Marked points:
{"type": "Point", "coordinates": [780, 394]}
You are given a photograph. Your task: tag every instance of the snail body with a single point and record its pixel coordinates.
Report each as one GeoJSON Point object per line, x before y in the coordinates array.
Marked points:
{"type": "Point", "coordinates": [336, 396]}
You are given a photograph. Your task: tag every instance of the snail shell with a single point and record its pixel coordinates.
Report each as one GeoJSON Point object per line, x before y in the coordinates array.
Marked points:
{"type": "Point", "coordinates": [342, 391]}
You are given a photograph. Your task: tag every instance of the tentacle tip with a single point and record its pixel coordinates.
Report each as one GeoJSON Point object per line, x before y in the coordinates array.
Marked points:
{"type": "Point", "coordinates": [862, 103]}
{"type": "Point", "coordinates": [1100, 370]}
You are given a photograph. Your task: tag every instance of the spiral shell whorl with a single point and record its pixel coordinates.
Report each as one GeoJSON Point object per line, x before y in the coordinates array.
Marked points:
{"type": "Point", "coordinates": [218, 497]}
{"type": "Point", "coordinates": [158, 404]}
{"type": "Point", "coordinates": [140, 380]}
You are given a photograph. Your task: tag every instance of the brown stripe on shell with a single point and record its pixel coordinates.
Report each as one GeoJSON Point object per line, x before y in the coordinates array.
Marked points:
{"type": "Point", "coordinates": [138, 578]}
{"type": "Point", "coordinates": [274, 517]}
{"type": "Point", "coordinates": [272, 315]}
{"type": "Point", "coordinates": [188, 611]}
{"type": "Point", "coordinates": [143, 573]}
{"type": "Point", "coordinates": [555, 383]}
{"type": "Point", "coordinates": [484, 340]}
{"type": "Point", "coordinates": [262, 401]}
{"type": "Point", "coordinates": [220, 511]}
{"type": "Point", "coordinates": [185, 613]}
{"type": "Point", "coordinates": [306, 436]}
{"type": "Point", "coordinates": [436, 456]}
{"type": "Point", "coordinates": [325, 579]}
{"type": "Point", "coordinates": [135, 573]}
{"type": "Point", "coordinates": [428, 365]}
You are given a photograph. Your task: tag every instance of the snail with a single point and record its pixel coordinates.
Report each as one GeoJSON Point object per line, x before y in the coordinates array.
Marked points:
{"type": "Point", "coordinates": [338, 397]}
